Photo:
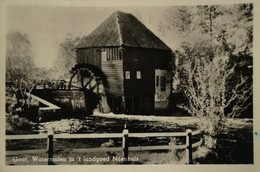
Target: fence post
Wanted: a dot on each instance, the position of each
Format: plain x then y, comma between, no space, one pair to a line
50,147
189,146
125,144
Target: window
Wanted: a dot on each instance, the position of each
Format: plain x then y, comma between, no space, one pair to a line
104,56
138,75
163,83
157,81
111,54
127,74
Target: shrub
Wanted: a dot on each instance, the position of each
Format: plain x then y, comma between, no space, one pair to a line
17,125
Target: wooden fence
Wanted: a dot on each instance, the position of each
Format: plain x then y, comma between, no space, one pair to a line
125,143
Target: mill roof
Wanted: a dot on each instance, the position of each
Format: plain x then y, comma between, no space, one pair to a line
122,29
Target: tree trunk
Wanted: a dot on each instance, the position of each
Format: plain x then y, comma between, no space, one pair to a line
209,141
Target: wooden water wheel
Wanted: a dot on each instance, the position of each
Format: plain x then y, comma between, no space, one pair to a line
85,74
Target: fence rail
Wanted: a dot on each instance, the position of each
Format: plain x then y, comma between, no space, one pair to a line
26,137
168,134
87,136
125,143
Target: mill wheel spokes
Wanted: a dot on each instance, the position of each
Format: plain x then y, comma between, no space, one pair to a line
86,73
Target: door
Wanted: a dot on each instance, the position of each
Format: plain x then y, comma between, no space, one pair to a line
162,89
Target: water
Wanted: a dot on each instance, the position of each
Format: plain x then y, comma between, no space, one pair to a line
99,124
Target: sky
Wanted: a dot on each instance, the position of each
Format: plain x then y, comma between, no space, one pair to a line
47,27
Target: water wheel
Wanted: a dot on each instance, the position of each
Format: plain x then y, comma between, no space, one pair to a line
86,73
88,78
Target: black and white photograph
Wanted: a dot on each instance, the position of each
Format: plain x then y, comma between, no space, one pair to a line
129,85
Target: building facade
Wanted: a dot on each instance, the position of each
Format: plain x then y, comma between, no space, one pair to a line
135,62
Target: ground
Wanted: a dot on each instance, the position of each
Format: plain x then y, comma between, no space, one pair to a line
235,145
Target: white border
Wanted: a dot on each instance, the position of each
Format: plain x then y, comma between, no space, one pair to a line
132,168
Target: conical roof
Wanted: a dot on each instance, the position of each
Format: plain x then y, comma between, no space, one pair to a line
122,29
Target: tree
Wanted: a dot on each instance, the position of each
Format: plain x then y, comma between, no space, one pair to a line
208,97
21,73
230,26
67,57
212,60
19,57
19,64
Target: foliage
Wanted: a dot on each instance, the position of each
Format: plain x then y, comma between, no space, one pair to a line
213,62
21,76
21,73
206,92
212,31
229,26
66,58
19,57
17,119
19,64
16,125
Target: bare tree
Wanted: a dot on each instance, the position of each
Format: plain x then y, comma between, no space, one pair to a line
206,91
